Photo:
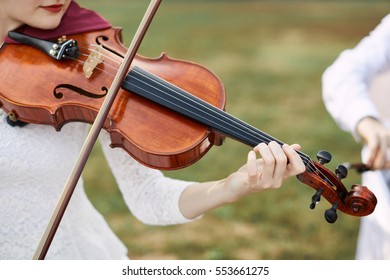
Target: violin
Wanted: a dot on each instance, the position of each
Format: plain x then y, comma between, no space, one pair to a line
167,114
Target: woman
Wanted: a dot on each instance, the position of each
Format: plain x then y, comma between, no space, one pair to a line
356,94
32,176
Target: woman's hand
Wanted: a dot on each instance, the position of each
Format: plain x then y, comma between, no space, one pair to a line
275,164
269,170
377,139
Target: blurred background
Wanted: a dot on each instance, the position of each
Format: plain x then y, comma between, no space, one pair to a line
270,56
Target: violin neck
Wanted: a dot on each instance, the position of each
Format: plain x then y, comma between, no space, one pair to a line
174,98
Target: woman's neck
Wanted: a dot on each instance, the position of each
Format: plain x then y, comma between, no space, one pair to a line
5,26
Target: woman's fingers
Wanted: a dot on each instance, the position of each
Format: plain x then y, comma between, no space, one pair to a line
296,165
279,162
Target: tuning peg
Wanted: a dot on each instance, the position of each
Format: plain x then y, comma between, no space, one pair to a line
316,198
341,171
331,214
324,157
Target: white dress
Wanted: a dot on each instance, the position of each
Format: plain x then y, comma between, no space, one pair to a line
355,86
35,162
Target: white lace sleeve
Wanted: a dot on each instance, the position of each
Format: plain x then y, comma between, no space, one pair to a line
150,196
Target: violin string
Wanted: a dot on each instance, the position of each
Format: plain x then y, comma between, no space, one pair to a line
111,67
88,46
105,57
114,69
200,105
197,106
87,51
266,138
309,163
82,62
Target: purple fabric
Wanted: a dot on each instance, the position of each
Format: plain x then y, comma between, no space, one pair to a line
75,20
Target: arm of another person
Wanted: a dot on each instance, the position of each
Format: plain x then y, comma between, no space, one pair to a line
346,86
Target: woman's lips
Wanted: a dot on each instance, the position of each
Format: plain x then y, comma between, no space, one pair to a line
53,8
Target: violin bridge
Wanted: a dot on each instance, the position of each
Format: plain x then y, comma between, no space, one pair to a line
94,58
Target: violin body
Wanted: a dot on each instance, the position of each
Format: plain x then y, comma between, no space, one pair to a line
54,93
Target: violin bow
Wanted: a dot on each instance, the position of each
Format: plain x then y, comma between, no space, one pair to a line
85,152
359,167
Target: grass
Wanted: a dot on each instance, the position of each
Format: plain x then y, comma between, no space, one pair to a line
270,56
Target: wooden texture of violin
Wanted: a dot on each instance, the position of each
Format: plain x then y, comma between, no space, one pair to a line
38,89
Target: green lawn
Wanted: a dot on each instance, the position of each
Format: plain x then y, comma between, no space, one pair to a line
270,56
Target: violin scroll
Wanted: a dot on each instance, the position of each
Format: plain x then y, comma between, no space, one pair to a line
360,201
